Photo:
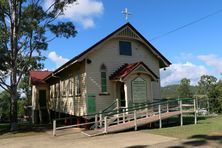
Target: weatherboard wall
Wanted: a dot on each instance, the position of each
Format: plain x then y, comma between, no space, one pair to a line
64,101
108,53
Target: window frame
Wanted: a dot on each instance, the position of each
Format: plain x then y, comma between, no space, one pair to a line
124,50
103,82
77,84
103,79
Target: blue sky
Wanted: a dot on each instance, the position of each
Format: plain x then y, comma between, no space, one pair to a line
194,50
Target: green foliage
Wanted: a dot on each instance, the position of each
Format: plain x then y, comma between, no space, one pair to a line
169,92
216,103
4,104
21,105
206,85
26,28
184,90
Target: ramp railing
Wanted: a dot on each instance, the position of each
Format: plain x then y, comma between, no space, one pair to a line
119,115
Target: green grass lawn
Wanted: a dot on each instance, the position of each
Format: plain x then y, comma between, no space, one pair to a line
208,126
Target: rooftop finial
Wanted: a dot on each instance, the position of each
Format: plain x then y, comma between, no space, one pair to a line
126,13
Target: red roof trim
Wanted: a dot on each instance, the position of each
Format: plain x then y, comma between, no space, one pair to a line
126,69
37,77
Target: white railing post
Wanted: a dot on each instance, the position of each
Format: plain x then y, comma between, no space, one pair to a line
195,111
54,128
181,113
124,116
105,124
117,105
160,120
96,121
100,120
167,106
135,120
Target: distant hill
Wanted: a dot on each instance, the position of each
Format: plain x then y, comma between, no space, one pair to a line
170,91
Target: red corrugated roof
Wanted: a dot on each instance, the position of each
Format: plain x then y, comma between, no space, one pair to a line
126,69
37,77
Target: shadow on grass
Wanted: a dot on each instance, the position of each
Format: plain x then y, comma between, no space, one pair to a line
197,142
207,137
200,140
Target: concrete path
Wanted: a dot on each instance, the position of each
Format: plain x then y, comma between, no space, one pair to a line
78,140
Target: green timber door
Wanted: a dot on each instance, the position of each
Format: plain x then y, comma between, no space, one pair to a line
91,103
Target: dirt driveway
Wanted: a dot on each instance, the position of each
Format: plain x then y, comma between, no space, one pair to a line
76,139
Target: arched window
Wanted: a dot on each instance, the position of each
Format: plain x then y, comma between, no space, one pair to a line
103,78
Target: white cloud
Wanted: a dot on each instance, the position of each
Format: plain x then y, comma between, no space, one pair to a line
212,60
176,72
58,60
82,12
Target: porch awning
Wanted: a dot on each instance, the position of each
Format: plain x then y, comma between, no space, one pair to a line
126,69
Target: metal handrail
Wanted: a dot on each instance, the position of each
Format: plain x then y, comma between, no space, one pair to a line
148,105
154,106
114,102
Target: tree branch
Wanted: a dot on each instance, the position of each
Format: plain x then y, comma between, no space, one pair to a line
2,82
5,88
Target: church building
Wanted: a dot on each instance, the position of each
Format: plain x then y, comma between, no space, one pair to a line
123,65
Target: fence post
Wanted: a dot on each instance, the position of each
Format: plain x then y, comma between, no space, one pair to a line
96,121
135,120
54,128
117,105
100,119
160,120
195,111
105,124
167,106
124,116
181,113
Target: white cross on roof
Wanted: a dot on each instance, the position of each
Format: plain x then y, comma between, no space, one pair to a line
126,13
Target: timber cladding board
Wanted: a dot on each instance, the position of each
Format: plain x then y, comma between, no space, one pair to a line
109,55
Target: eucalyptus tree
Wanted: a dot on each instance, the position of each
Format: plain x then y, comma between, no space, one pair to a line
206,85
26,28
184,88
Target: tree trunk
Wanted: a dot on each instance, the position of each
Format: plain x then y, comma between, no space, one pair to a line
13,113
13,77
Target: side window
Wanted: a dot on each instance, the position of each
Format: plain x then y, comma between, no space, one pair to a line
57,90
77,84
103,78
54,91
71,85
125,48
64,87
51,91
